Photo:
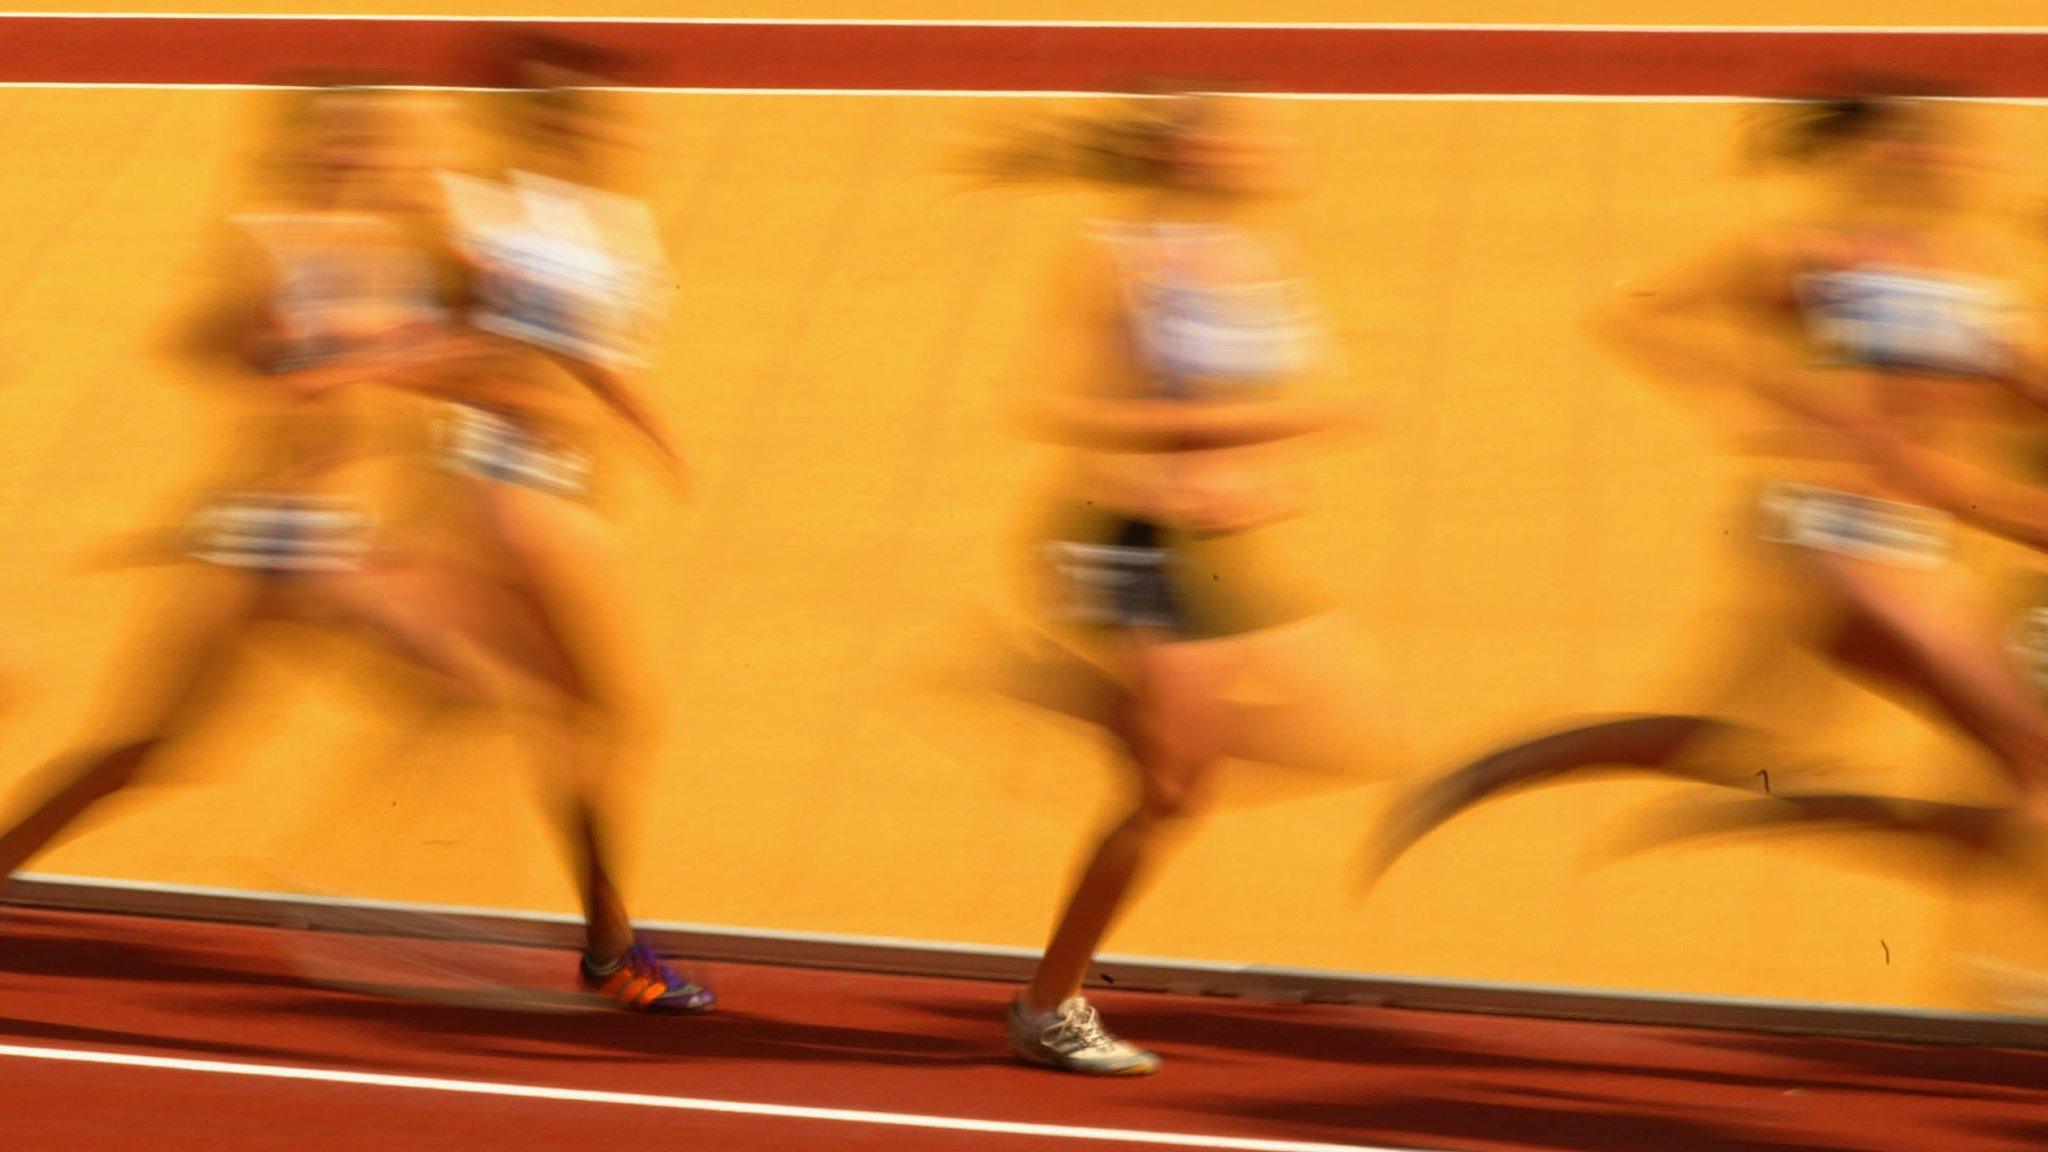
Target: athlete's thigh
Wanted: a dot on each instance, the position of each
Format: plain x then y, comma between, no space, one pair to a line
564,564
1179,723
1937,638
181,653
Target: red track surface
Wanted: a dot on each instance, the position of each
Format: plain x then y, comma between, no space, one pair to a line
256,49
1306,1072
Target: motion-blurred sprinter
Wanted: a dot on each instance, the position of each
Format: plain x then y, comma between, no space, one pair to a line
1177,382
1884,355
326,290
568,287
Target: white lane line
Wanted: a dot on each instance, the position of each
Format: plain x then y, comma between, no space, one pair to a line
994,93
1010,93
1228,25
976,93
683,1103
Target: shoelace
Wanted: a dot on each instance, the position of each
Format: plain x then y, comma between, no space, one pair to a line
641,978
642,961
1084,1024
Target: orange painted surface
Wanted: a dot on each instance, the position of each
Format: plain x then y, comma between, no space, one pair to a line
1538,535
1860,13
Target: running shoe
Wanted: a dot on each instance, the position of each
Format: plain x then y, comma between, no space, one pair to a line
639,982
1073,1040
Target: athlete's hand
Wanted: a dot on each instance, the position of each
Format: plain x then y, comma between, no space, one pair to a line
674,469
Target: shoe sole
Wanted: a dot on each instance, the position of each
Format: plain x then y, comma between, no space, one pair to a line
655,1009
1037,1059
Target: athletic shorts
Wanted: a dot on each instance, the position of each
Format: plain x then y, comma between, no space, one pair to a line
282,534
1103,569
475,442
1862,527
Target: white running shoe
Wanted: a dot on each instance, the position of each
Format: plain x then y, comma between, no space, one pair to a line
1073,1040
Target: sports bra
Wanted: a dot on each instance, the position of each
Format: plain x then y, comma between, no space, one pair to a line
552,269
338,278
1907,319
1196,335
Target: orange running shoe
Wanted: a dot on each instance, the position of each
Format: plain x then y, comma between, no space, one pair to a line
639,982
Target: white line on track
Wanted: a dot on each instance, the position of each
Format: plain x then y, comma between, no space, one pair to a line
681,1103
979,93
1014,93
1236,25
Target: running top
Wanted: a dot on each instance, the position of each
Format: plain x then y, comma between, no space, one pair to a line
563,267
1209,308
340,280
1908,319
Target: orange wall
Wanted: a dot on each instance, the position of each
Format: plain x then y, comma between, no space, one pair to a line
1540,534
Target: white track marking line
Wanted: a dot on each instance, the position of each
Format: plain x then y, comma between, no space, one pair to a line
1221,25
681,1103
974,93
1009,93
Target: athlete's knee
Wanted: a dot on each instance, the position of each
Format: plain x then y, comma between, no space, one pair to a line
1175,796
1144,822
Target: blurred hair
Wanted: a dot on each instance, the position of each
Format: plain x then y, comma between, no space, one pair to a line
528,59
1129,144
538,73
303,100
1812,128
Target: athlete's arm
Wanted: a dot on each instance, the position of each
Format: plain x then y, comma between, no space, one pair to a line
612,388
458,367
1178,425
218,331
1714,323
240,325
1973,495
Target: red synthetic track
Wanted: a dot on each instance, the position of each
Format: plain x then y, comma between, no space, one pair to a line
254,50
1304,1072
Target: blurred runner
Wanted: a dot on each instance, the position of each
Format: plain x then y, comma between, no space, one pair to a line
1179,381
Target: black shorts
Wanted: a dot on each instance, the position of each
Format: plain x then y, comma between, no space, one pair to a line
1108,570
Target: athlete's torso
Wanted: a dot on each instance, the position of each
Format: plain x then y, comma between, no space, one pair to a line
1211,310
567,278
561,267
1929,332
1933,328
336,284
1208,311
300,488
1916,322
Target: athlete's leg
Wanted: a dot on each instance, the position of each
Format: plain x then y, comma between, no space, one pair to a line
168,677
1655,743
572,630
1926,638
1173,730
1934,639
462,626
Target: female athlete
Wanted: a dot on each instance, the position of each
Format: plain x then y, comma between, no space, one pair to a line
1896,362
1178,382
